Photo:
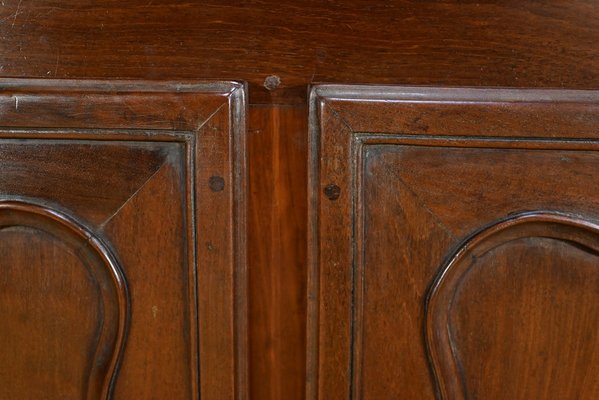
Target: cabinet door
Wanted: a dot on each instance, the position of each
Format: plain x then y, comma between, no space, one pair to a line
454,244
121,247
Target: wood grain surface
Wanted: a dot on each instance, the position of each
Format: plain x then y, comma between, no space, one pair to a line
279,48
465,43
130,167
65,327
514,304
277,152
391,203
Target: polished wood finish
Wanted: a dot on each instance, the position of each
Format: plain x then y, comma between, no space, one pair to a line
46,311
280,47
491,43
277,152
503,184
541,268
123,261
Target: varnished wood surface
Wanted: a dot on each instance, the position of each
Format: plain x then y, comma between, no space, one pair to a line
277,153
491,43
422,193
63,327
135,163
541,268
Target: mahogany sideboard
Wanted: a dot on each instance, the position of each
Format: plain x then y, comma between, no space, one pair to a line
275,199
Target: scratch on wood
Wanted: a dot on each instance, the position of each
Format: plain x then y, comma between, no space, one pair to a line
16,13
57,61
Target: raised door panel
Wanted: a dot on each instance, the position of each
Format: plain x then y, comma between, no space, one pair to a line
517,303
121,230
453,243
61,293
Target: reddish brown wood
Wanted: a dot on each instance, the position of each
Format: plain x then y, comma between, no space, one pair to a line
406,198
491,43
542,269
46,311
125,168
277,152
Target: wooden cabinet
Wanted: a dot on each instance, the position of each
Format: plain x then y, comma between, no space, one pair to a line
106,133
454,243
122,229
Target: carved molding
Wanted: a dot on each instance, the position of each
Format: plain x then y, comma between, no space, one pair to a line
105,270
541,224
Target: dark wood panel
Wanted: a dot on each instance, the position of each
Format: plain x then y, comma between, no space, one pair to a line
398,213
75,173
64,305
277,152
526,43
516,304
490,43
389,207
159,277
168,203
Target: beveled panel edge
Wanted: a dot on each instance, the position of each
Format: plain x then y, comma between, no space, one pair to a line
115,86
227,163
312,298
112,104
71,225
390,93
440,355
467,111
238,103
344,203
